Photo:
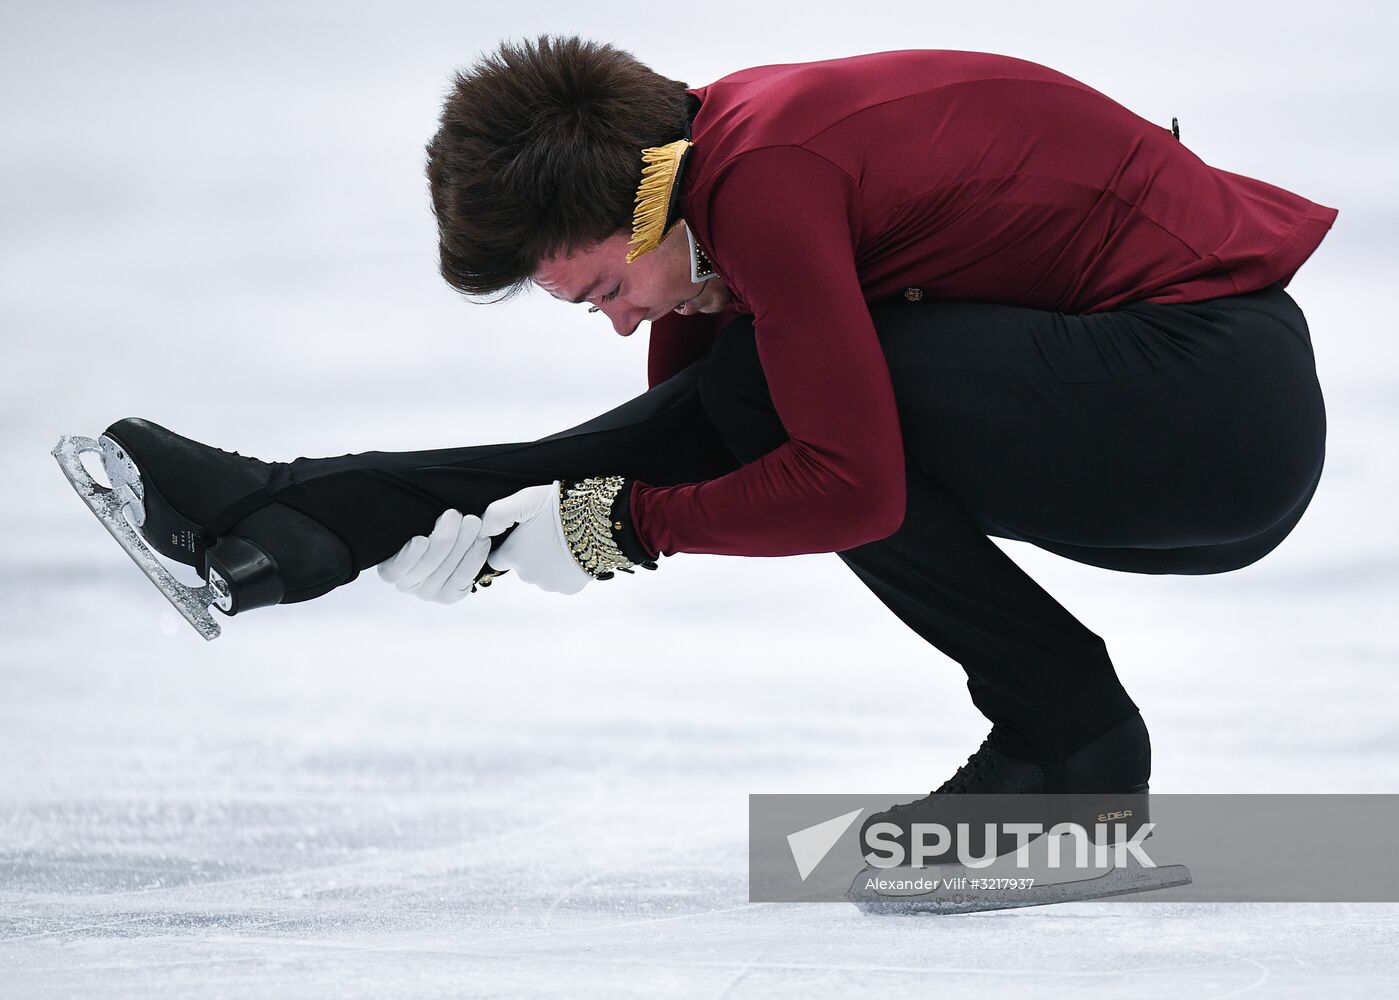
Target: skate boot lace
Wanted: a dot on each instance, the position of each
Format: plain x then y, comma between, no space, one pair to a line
978,765
238,455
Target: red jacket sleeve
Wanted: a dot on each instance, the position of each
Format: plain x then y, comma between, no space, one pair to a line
784,225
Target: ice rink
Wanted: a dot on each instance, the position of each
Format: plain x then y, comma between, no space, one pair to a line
214,216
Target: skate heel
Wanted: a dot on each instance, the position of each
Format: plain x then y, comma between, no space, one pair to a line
242,576
170,534
1113,818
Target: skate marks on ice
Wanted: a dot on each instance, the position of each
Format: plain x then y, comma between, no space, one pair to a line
350,842
111,507
430,868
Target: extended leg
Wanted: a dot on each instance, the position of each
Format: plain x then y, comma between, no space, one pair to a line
264,533
378,500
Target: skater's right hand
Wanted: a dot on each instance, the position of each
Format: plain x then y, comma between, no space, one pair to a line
442,566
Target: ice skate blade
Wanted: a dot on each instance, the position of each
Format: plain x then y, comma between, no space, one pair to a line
1117,882
107,504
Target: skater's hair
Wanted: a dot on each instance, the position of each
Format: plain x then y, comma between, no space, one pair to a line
538,154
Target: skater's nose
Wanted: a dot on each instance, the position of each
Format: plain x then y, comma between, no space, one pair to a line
625,317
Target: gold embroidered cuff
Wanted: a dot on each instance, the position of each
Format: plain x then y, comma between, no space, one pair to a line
585,511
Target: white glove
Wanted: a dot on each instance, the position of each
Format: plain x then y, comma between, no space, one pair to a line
440,567
537,550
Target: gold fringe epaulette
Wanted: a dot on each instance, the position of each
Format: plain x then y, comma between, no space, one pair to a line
655,196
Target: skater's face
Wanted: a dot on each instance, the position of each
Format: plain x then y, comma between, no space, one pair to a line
629,294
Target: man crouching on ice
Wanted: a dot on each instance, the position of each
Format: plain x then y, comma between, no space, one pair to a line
898,303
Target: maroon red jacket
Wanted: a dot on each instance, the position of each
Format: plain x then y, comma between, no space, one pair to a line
819,187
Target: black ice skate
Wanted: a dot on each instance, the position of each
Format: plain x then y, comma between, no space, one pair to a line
1101,790
208,509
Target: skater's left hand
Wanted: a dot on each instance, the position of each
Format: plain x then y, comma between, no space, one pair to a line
537,550
442,566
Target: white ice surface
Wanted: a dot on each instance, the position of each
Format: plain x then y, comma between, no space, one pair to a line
213,215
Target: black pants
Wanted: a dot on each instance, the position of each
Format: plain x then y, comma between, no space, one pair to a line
1180,439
